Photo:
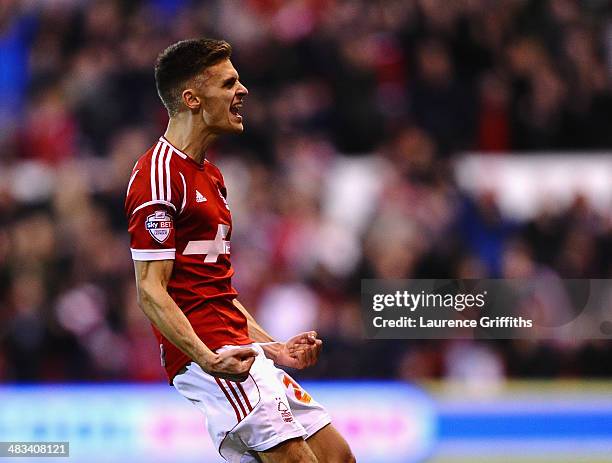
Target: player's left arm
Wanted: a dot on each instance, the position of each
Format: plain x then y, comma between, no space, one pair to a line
301,351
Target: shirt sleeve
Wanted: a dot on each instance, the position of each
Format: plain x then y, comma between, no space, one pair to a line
151,219
152,233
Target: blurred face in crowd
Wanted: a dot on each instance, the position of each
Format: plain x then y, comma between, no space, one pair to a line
218,95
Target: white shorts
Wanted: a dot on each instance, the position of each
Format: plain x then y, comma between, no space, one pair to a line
255,415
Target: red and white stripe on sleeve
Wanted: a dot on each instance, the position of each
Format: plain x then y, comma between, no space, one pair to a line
155,195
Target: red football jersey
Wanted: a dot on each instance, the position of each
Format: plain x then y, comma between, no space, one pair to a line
177,209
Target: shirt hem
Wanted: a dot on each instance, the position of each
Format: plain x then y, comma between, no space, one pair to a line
174,371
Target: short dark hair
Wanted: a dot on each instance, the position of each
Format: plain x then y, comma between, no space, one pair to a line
182,61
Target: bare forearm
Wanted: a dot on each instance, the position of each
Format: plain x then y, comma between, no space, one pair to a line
168,318
270,347
151,282
300,351
256,332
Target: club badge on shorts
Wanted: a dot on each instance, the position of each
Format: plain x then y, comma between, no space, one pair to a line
159,225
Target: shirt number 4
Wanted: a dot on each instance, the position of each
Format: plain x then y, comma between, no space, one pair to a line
211,248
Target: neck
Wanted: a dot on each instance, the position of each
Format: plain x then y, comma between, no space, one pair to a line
189,134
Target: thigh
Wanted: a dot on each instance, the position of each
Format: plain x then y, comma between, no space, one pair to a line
252,416
328,445
290,451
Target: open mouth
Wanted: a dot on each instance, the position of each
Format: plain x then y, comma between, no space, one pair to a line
235,110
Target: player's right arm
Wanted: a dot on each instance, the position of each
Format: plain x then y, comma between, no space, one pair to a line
154,197
151,281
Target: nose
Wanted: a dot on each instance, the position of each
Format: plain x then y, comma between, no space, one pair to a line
242,90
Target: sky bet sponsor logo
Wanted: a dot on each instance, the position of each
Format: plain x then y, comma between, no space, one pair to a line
159,225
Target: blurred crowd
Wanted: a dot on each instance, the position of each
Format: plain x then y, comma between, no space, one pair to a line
355,113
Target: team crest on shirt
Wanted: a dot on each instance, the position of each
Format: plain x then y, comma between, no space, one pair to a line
159,225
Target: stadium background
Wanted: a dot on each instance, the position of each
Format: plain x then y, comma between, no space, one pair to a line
360,120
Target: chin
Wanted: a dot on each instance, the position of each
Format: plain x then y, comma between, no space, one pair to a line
237,128
229,129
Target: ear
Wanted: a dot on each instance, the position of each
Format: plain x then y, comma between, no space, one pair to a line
190,99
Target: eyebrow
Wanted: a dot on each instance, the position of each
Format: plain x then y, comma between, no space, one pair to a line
230,80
